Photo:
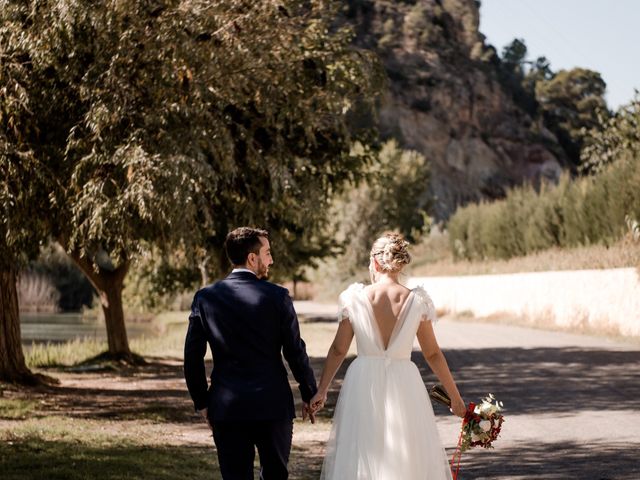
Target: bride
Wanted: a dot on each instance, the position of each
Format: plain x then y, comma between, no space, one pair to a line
384,427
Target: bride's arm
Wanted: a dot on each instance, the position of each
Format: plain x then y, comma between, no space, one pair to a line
337,352
438,364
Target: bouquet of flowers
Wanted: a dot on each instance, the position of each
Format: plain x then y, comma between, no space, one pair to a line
480,425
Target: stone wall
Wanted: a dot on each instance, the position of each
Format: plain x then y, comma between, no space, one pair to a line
606,301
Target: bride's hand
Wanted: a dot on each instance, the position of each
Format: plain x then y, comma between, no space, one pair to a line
459,408
318,401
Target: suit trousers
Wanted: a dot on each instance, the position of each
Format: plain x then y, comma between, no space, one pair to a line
236,443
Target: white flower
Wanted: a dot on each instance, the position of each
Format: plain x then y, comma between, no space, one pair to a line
475,438
485,425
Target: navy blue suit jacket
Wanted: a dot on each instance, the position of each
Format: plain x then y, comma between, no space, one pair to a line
249,325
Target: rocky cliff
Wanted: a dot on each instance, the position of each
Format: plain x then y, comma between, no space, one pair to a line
445,100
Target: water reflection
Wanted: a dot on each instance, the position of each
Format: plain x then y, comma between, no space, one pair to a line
62,327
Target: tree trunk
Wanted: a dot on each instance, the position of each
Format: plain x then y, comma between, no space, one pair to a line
204,276
13,368
109,284
111,300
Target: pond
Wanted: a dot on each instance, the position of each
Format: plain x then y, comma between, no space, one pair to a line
62,327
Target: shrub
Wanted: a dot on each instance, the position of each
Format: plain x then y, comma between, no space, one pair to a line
592,210
392,197
36,293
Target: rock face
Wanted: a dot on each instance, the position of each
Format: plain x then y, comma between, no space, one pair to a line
445,100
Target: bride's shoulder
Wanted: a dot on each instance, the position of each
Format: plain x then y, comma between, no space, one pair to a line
347,295
420,292
425,302
351,290
345,300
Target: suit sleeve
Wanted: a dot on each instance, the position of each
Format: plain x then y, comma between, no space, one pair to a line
295,353
195,349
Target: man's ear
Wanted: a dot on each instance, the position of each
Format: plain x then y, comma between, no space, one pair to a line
251,258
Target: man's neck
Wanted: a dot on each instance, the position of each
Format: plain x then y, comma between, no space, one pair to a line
243,268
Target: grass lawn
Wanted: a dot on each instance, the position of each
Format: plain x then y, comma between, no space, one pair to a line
108,421
68,449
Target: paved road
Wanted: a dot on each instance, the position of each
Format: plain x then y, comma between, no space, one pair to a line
571,401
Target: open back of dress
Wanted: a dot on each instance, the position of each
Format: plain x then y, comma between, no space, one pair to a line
384,427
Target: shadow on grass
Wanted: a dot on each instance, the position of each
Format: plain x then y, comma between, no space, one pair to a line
37,459
155,391
16,408
306,463
114,360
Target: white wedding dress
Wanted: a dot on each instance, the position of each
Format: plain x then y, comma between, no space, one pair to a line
383,426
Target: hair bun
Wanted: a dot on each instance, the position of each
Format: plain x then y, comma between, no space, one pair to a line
391,252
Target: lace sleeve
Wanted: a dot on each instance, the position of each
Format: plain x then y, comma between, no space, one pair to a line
345,299
425,303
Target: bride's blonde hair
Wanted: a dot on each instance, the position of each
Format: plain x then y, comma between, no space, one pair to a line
391,252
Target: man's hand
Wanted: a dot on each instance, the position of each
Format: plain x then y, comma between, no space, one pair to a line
318,401
306,411
203,414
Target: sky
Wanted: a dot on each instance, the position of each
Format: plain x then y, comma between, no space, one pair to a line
602,35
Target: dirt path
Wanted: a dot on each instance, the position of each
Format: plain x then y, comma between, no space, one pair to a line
571,403
152,397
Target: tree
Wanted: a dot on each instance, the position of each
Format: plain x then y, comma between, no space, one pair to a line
571,102
514,58
619,134
21,227
540,70
514,76
23,187
18,242
393,196
167,122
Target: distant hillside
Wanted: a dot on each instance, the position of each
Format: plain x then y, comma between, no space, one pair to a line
446,102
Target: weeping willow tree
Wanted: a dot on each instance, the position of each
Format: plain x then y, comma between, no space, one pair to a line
164,123
21,189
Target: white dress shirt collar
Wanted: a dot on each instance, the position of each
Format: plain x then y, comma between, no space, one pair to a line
243,270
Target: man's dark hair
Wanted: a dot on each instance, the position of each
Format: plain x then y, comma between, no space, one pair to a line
241,242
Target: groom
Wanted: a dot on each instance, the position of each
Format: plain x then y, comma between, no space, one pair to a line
247,322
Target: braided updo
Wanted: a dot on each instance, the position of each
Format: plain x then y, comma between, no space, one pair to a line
390,251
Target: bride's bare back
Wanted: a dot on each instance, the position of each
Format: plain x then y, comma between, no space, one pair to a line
387,301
